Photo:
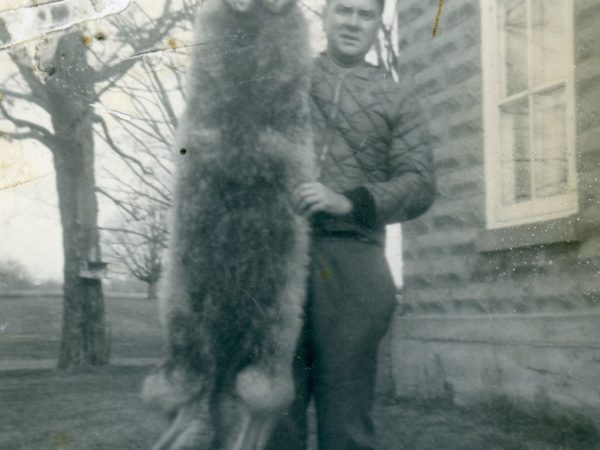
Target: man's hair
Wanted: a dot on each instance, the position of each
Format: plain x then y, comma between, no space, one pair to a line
381,4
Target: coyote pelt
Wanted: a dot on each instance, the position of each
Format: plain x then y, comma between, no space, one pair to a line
233,289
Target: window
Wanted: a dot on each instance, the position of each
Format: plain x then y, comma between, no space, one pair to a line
527,54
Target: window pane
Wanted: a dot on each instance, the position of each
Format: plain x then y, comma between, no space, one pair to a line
513,41
549,40
550,151
516,153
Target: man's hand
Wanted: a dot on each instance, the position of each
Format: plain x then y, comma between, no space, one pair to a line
314,197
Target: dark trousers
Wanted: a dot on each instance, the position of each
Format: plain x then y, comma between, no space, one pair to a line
351,297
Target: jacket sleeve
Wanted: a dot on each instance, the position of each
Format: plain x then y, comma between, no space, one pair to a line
410,186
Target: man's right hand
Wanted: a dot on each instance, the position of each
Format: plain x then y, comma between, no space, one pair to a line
314,197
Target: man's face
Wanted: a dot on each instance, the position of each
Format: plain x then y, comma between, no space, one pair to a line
351,27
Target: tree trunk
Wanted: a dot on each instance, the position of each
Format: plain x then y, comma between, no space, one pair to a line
84,338
152,290
71,92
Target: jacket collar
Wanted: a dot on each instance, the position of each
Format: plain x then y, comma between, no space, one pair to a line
365,70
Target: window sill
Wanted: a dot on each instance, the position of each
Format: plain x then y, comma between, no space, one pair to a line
566,229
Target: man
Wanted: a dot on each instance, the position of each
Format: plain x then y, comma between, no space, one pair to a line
376,169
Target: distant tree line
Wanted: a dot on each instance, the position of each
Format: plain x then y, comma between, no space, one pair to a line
14,276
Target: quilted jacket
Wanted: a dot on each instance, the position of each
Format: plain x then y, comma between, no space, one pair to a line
373,145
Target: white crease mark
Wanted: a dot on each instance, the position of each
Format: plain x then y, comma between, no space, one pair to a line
253,80
115,113
13,5
18,26
159,51
121,115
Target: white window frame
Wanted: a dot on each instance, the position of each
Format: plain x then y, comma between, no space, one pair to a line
535,210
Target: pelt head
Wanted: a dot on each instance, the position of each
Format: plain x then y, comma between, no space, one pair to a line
274,6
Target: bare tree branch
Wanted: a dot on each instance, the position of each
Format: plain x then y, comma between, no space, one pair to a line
20,58
119,203
164,201
41,133
154,31
21,96
163,97
108,139
124,231
18,136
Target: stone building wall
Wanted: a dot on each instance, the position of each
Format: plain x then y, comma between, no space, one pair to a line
511,313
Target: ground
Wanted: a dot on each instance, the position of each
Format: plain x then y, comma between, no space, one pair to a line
99,409
31,324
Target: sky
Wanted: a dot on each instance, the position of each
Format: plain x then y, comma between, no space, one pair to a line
29,219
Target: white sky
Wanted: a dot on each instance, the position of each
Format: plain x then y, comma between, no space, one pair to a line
29,222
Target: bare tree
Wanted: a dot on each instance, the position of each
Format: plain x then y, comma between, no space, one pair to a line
141,188
134,248
142,140
69,84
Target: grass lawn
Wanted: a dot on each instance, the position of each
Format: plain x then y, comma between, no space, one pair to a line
94,409
434,426
30,327
100,409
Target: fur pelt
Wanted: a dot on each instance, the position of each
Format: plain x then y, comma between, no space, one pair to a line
233,289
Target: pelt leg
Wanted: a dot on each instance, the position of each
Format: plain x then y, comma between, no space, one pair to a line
263,394
265,428
167,438
188,431
255,431
245,437
267,388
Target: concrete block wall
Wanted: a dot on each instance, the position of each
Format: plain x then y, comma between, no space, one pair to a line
446,74
587,78
522,322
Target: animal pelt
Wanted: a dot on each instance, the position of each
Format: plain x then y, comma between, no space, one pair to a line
232,294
